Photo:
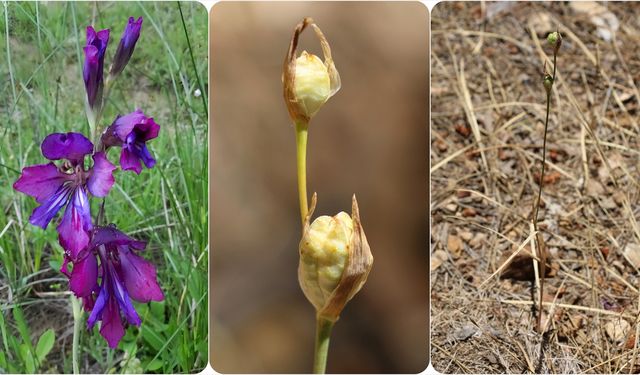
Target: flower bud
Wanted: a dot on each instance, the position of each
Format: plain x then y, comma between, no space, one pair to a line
93,66
547,81
335,260
308,81
554,39
126,46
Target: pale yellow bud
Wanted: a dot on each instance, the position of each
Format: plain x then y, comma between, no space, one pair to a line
312,85
335,260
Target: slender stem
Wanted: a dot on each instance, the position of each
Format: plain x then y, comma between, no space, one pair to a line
323,333
203,94
540,247
301,156
77,322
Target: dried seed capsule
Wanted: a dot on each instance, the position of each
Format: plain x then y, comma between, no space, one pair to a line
335,260
308,82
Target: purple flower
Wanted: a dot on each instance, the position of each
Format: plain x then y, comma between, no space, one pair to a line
55,187
131,132
124,276
94,64
127,44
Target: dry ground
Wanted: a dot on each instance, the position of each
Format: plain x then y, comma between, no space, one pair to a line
488,108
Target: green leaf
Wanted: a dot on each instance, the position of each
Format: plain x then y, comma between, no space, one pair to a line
22,327
55,264
154,365
153,338
45,344
27,359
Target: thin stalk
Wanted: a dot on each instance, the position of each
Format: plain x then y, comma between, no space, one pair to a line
540,247
77,322
193,62
301,158
323,333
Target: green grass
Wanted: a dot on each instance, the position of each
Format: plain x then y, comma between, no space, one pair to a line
41,91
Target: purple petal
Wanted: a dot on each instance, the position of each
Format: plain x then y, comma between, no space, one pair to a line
147,130
146,157
99,40
129,161
102,41
120,293
91,35
40,181
42,215
98,307
92,75
84,276
127,44
88,302
101,178
123,125
111,328
70,146
64,268
111,236
76,224
139,278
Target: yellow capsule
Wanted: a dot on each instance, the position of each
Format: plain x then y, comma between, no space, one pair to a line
312,84
323,254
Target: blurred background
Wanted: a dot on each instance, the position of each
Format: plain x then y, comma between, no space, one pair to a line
369,139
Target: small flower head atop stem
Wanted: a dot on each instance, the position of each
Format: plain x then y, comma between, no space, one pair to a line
555,39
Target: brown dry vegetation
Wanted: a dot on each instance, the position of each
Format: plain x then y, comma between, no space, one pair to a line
488,108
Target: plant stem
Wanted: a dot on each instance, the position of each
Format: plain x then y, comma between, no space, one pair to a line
301,157
323,333
542,253
77,321
203,93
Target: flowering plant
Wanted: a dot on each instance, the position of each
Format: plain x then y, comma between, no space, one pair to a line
104,265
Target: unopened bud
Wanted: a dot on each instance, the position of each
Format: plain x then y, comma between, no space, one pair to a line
547,81
308,81
555,39
335,260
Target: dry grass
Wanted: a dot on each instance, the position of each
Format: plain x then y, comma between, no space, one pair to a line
486,149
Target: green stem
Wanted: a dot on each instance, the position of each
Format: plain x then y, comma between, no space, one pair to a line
193,62
301,156
323,333
77,322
